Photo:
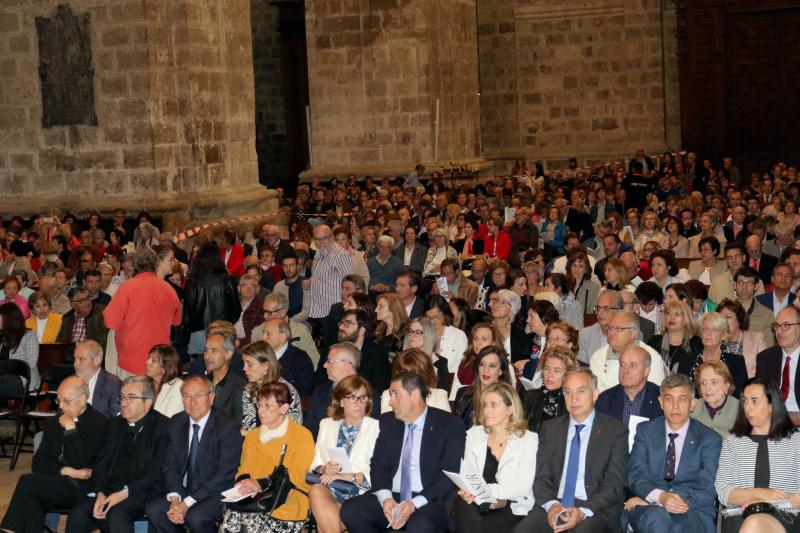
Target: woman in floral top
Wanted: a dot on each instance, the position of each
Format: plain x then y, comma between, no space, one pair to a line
261,366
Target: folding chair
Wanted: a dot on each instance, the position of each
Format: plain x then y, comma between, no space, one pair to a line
17,404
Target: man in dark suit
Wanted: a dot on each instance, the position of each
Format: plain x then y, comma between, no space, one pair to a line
736,230
586,445
634,395
270,234
763,263
103,386
478,271
779,363
201,461
329,325
89,318
672,467
126,476
296,366
63,463
780,296
416,442
612,246
407,288
228,385
357,327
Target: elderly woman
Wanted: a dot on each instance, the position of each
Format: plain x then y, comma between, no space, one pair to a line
673,240
547,401
709,264
348,426
540,314
451,341
583,288
491,366
504,452
261,367
421,335
12,289
17,342
261,453
438,251
419,363
759,461
504,305
553,230
713,331
741,341
162,367
678,339
709,227
483,334
664,267
43,321
571,310
717,408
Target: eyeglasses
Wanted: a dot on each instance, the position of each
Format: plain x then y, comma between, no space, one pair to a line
267,405
559,340
605,308
270,313
194,396
340,361
360,399
130,397
248,285
67,401
323,238
783,326
741,281
343,323
434,318
416,332
619,328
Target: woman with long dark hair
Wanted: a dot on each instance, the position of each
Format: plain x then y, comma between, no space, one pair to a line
17,342
490,366
759,461
210,295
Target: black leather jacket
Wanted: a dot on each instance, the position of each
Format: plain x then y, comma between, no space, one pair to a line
212,297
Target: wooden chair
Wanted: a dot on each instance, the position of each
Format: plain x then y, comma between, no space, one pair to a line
684,262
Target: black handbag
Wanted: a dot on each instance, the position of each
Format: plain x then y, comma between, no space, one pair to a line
273,495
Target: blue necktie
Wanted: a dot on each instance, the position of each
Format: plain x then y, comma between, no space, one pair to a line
573,464
405,465
669,463
191,467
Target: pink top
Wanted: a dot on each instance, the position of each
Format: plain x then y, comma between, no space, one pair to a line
21,302
141,313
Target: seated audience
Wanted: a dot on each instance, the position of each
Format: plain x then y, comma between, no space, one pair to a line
261,366
592,338
417,362
505,305
740,340
296,366
16,342
356,327
43,321
503,452
491,366
276,306
547,402
759,461
672,463
678,338
577,486
483,334
421,334
384,267
84,321
277,440
291,286
541,313
709,265
717,407
451,342
252,314
634,395
103,386
458,285
407,474
570,310
776,363
350,427
63,463
126,475
228,385
203,451
162,368
12,293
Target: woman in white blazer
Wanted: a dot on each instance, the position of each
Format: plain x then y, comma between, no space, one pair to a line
162,368
452,341
418,362
350,428
503,451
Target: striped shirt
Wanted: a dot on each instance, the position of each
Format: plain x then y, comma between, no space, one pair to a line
329,267
737,465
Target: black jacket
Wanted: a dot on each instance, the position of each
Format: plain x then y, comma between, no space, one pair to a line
209,298
151,448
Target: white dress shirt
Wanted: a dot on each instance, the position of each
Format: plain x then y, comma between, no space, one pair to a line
791,400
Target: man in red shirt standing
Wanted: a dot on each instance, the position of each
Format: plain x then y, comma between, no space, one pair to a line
143,309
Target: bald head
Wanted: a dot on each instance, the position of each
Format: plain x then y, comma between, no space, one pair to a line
753,246
323,236
631,263
72,396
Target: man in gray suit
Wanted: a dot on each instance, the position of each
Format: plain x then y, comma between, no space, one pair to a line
592,338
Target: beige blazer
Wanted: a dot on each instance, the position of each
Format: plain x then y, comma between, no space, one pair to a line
696,268
694,244
722,287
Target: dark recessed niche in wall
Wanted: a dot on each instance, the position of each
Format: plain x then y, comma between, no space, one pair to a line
65,68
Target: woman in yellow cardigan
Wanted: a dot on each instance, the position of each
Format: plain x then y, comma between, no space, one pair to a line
260,455
43,321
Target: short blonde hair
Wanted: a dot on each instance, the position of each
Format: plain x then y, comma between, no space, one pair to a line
716,321
720,369
516,421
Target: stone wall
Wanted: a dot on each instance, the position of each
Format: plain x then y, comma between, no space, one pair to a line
270,114
173,87
590,79
376,70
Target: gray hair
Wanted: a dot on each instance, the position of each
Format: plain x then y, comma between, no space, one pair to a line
582,370
93,347
647,360
145,260
148,387
281,324
630,317
618,301
203,380
513,300
675,380
386,239
278,298
228,339
349,349
356,280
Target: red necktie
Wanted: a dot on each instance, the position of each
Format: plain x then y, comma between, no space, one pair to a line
785,379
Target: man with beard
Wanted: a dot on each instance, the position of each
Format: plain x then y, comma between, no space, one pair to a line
356,327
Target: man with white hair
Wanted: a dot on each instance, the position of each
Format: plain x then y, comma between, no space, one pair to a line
103,386
270,234
623,332
384,267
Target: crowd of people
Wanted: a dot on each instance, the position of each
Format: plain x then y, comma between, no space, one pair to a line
592,351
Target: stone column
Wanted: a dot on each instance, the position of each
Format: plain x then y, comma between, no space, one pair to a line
376,70
174,99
